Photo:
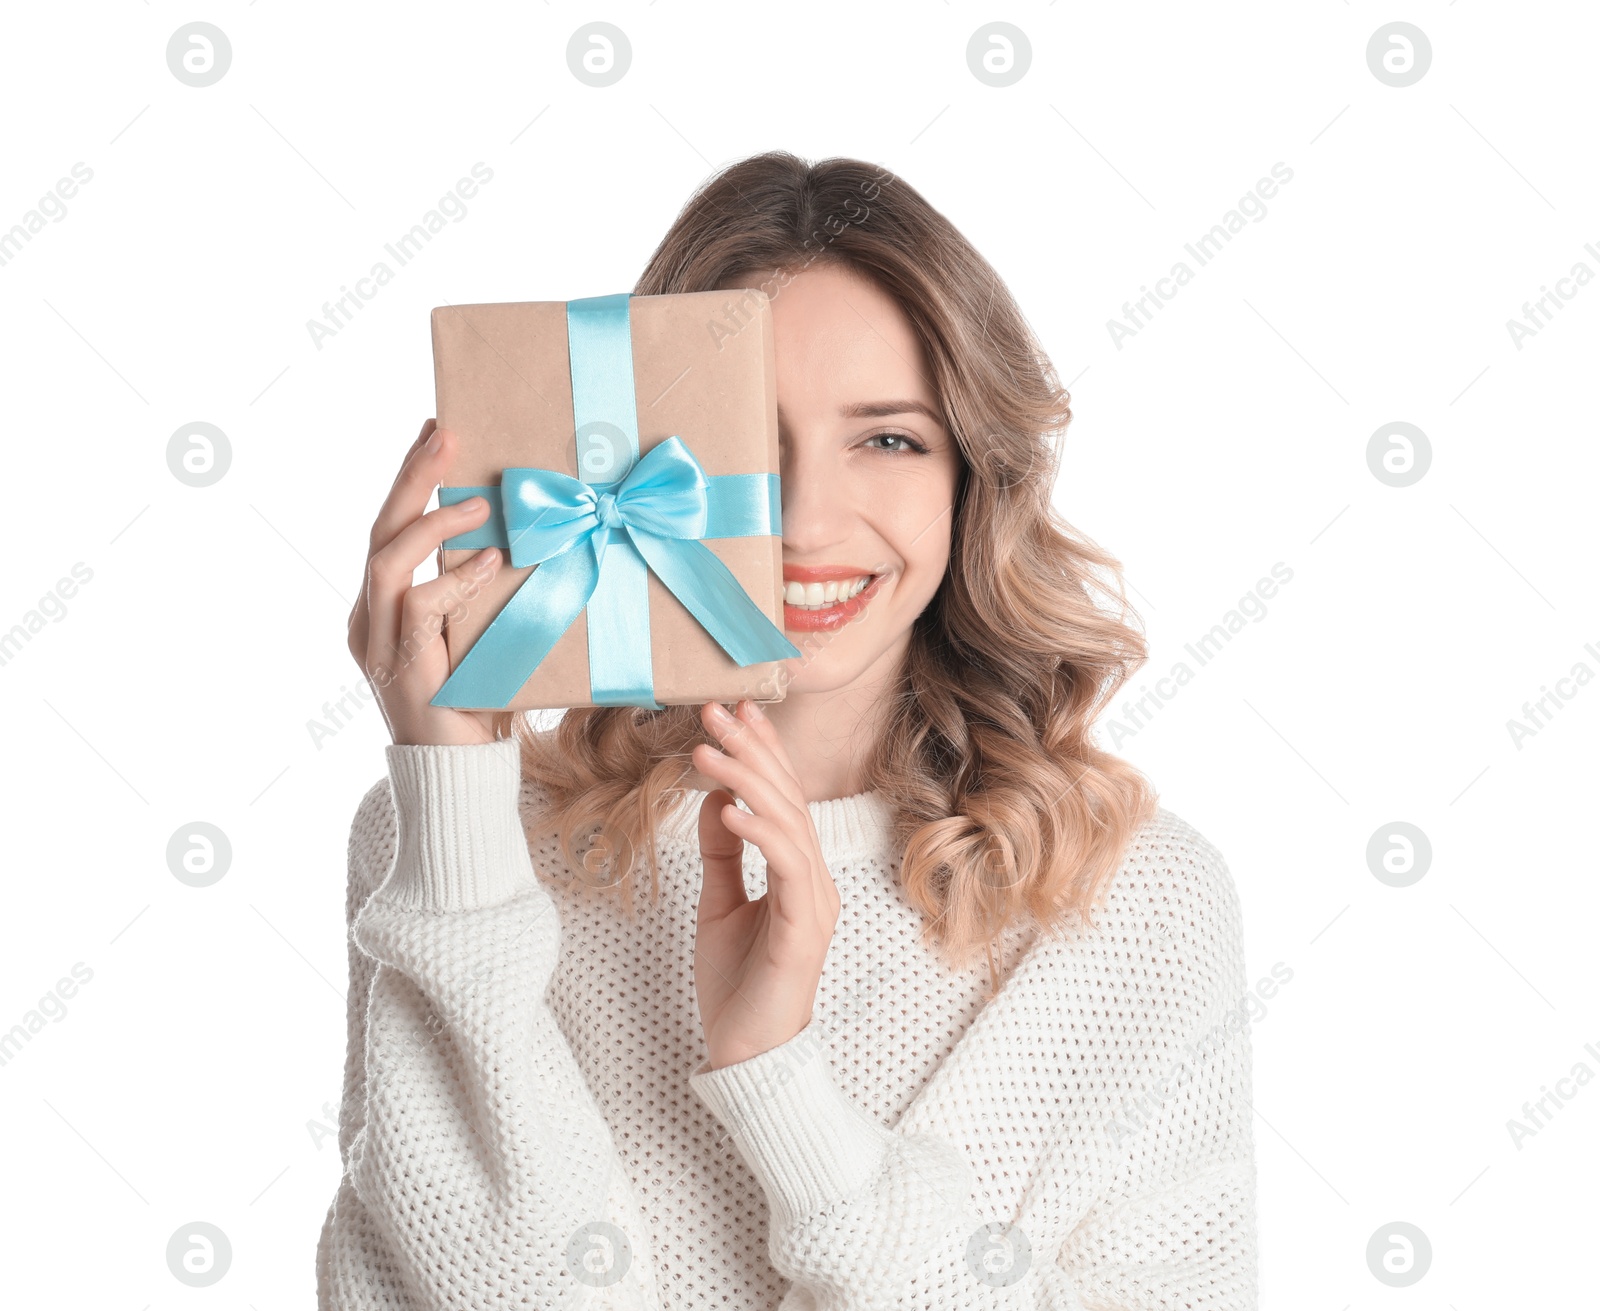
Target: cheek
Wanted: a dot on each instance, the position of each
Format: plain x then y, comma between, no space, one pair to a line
924,518
930,556
923,545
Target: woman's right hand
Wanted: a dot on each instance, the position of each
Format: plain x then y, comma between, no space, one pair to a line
396,629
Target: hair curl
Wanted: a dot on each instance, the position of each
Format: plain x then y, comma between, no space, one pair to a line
1003,806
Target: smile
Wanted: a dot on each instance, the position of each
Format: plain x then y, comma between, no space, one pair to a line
817,596
813,604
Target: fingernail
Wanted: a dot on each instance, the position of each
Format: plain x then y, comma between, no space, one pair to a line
719,714
432,446
756,710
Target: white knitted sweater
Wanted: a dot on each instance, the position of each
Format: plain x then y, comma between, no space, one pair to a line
528,1122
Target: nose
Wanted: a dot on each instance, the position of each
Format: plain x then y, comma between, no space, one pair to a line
819,504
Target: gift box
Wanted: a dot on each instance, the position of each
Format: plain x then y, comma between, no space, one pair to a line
628,448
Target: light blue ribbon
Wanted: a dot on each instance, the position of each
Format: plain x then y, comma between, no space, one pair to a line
594,540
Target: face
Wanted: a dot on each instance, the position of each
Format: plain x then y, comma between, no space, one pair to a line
869,480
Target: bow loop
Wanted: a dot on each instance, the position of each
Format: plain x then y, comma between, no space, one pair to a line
546,512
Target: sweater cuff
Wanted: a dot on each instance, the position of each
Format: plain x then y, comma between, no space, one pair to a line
807,1144
460,843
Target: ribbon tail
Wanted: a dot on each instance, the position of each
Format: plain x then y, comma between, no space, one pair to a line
535,617
717,599
620,672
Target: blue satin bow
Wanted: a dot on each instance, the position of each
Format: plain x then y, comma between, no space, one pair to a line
594,541
663,495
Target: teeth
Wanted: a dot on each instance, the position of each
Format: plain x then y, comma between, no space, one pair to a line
817,596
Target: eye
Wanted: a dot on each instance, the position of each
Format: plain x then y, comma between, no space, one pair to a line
910,446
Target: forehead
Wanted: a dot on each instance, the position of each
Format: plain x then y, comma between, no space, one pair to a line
841,340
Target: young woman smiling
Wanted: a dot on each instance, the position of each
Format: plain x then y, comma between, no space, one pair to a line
784,1077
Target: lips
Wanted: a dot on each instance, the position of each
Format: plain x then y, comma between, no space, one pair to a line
827,617
822,573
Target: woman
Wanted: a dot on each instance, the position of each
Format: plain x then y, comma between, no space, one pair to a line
854,1112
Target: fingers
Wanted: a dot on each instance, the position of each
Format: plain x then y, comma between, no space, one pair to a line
419,474
791,882
356,625
390,569
426,603
753,740
745,781
416,659
752,714
359,621
420,652
722,852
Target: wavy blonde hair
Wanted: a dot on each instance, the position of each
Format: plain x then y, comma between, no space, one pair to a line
1003,806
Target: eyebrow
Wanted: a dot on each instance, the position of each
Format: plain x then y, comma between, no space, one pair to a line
884,409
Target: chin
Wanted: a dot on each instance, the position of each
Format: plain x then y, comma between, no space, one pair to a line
819,672
832,663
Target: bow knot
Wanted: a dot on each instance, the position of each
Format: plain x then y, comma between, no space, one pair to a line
664,494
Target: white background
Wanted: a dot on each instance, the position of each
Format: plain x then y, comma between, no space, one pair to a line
187,1079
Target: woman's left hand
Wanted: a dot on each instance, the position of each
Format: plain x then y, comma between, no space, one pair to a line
757,963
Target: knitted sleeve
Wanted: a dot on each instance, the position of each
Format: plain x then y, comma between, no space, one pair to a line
348,1245
864,1217
1172,1221
479,1171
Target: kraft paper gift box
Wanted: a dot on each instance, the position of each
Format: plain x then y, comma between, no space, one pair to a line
628,448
